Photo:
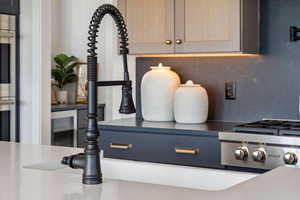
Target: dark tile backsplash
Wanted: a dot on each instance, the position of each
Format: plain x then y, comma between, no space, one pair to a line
268,86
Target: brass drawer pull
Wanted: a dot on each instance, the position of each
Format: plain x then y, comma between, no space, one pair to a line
168,42
120,146
178,41
187,151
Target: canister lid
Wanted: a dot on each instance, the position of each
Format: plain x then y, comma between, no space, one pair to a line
190,83
160,66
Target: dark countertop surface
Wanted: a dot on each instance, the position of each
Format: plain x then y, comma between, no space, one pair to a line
210,128
64,107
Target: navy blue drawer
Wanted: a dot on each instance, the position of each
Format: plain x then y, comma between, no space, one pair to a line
171,149
81,135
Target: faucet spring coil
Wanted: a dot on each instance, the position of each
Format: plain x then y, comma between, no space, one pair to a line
94,25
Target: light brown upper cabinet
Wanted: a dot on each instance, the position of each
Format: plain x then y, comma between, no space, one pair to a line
150,25
192,26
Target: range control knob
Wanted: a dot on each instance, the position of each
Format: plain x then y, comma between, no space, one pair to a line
259,155
290,158
241,153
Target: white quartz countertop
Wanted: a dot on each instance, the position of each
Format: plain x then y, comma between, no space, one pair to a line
129,180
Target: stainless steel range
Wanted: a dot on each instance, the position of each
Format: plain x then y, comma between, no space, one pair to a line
265,144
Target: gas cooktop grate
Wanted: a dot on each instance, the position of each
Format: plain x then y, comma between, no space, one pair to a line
271,127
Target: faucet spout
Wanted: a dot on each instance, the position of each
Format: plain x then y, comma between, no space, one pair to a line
90,160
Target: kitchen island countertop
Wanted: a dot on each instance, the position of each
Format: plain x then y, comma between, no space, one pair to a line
18,182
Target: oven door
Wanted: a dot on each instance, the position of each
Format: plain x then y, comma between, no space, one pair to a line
7,119
7,78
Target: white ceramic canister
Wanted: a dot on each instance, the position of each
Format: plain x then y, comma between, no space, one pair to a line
157,93
191,104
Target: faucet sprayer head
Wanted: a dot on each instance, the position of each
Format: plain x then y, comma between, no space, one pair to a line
127,105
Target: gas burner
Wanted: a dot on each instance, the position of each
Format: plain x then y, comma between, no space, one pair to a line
275,127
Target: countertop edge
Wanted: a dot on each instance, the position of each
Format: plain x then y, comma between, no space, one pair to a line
153,130
210,129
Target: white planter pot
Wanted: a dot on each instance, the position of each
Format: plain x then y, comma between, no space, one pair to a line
157,93
62,96
191,104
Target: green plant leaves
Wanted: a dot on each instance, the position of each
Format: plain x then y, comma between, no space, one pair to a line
70,68
58,60
70,78
64,71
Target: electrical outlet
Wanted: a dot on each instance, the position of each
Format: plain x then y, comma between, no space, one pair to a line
230,90
299,105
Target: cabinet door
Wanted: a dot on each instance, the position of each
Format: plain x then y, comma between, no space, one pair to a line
150,25
207,26
81,138
9,7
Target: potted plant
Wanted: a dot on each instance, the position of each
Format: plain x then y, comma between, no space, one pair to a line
64,73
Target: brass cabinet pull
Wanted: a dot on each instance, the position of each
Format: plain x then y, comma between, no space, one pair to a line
178,41
187,151
120,146
168,42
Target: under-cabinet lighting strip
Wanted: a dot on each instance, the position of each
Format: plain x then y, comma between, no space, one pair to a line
194,55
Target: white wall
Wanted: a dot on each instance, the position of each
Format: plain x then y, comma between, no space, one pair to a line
49,27
26,71
35,59
70,22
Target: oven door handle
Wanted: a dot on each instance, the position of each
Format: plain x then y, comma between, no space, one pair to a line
6,34
7,102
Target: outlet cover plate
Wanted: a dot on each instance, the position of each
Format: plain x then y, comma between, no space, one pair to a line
230,90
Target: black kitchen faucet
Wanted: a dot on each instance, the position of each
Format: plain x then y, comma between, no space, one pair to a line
89,161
